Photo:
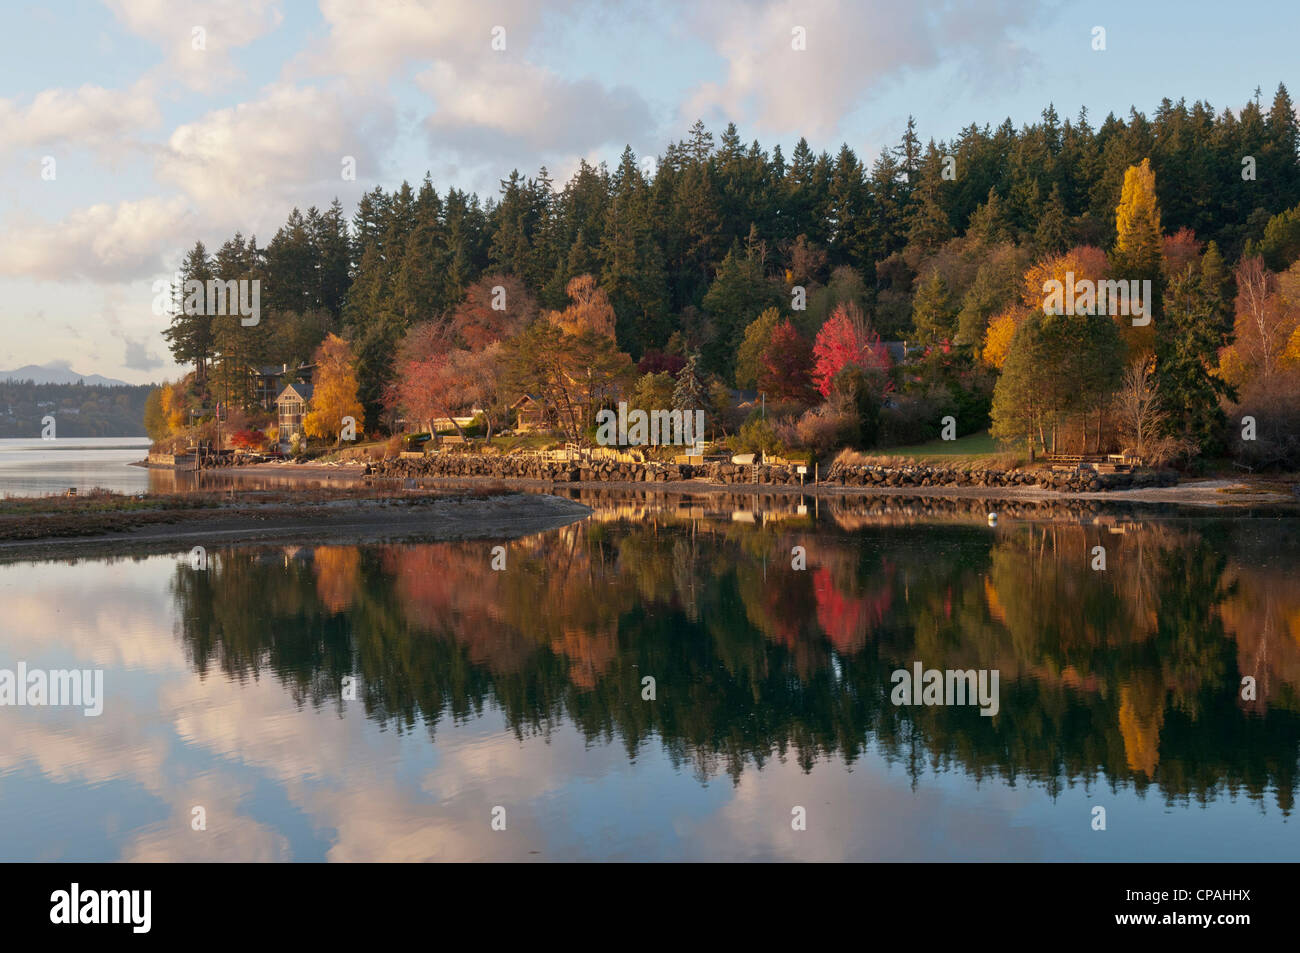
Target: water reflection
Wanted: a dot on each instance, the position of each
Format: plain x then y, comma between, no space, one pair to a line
524,687
1132,673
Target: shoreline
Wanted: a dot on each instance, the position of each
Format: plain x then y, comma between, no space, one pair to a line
353,507
1218,493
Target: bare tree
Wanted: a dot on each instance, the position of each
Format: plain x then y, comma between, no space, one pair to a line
1258,329
1141,416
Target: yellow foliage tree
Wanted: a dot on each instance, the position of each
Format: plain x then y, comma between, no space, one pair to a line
173,406
1291,355
1082,262
1231,367
997,343
1085,261
589,309
334,393
1139,245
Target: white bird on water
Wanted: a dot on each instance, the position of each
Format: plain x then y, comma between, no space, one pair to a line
993,519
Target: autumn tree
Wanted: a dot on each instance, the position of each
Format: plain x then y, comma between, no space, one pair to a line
483,373
571,359
334,390
1265,322
495,308
425,385
844,339
155,418
1082,262
1139,243
589,310
787,366
749,357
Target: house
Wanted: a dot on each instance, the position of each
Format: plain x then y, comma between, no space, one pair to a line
291,409
443,424
268,381
897,350
531,414
744,399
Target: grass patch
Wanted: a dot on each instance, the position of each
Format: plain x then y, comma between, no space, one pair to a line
975,450
524,441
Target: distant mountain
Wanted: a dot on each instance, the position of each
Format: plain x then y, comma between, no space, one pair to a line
57,374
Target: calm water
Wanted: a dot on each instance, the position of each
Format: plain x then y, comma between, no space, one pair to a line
41,467
522,689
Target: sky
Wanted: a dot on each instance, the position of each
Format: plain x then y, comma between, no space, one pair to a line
129,129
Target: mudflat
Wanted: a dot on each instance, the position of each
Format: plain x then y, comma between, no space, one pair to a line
57,527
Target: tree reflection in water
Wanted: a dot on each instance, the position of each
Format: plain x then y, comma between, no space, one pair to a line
1130,675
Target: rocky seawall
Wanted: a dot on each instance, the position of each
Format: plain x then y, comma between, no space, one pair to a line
459,466
1072,480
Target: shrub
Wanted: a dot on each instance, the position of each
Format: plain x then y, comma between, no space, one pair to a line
758,435
910,418
1277,427
247,439
828,427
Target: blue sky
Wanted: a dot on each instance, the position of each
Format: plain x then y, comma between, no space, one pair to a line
157,143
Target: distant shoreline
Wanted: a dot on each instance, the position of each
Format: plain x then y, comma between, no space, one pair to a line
340,519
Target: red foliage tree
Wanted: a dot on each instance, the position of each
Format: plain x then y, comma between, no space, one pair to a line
787,362
431,380
247,439
655,362
845,339
1181,249
495,308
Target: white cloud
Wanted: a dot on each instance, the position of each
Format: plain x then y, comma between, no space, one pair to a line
496,104
852,49
200,61
372,42
487,103
90,116
104,242
262,153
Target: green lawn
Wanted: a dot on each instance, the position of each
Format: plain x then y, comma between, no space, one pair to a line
976,449
529,441
971,445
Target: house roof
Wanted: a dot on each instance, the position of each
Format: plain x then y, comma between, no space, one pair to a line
298,390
